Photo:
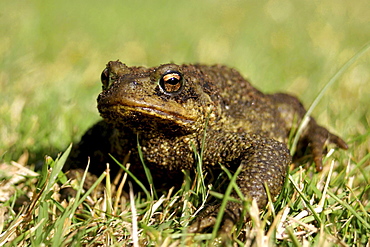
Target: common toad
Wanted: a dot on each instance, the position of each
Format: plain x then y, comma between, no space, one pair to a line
169,108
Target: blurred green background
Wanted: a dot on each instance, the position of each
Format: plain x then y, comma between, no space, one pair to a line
52,54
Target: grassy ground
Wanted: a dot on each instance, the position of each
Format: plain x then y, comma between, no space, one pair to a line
52,55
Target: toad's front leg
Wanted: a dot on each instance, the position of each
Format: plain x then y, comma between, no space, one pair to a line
264,163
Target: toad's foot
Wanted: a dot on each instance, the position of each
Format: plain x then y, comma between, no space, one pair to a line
318,138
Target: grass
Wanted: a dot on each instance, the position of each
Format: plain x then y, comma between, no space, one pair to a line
51,58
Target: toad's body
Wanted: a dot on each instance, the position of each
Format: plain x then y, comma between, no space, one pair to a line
169,108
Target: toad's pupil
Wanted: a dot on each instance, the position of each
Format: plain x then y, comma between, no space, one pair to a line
172,78
173,81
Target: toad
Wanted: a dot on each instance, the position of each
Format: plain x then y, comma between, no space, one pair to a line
174,110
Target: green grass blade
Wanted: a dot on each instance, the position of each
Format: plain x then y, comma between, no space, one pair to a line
148,174
344,204
224,202
134,178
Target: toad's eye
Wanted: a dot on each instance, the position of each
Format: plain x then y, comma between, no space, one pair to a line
171,82
105,78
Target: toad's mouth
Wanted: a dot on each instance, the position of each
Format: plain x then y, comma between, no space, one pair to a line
154,111
136,110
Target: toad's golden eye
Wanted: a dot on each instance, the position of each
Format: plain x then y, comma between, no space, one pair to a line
171,82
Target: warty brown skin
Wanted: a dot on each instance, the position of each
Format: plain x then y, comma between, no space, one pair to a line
168,108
